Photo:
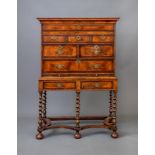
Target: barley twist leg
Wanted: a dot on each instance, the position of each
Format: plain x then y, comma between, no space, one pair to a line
40,120
77,118
114,109
44,104
110,103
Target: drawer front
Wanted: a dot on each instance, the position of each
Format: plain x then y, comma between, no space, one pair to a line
53,39
102,38
77,32
97,85
59,51
78,27
59,85
78,38
59,66
96,66
96,51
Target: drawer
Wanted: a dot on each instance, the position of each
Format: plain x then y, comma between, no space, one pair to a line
96,51
49,66
97,85
53,39
59,51
78,38
77,32
96,66
102,38
46,27
59,85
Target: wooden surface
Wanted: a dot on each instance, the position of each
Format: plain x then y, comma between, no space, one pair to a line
77,54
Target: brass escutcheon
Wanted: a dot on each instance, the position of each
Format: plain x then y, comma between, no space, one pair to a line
78,38
59,66
60,51
102,37
59,85
95,66
96,49
54,38
97,84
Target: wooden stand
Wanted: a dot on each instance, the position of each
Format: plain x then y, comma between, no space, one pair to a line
109,122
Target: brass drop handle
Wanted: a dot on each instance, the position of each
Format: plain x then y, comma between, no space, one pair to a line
60,51
95,66
102,37
54,38
59,85
78,38
97,85
96,49
59,66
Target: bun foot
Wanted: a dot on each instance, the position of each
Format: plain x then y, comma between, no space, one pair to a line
39,136
77,135
114,134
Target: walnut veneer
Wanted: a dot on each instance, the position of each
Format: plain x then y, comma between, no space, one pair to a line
77,54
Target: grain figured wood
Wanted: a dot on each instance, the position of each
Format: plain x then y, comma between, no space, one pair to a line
96,51
84,83
50,26
59,85
73,33
59,51
78,54
102,39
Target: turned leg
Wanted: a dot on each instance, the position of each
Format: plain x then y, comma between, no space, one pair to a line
110,103
46,121
77,121
44,104
40,121
113,114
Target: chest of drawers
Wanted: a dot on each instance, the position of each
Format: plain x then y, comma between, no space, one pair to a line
77,54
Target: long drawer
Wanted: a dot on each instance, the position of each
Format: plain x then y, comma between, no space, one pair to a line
87,32
47,27
49,66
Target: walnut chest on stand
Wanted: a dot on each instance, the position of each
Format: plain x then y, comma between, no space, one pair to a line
77,54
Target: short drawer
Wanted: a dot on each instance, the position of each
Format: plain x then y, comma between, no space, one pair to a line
46,27
102,38
59,85
96,66
49,66
97,85
96,51
53,39
78,38
59,51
